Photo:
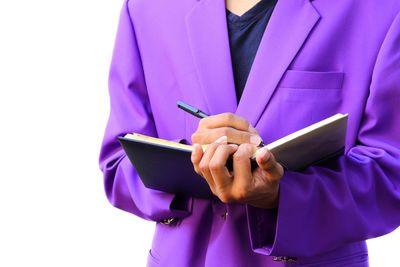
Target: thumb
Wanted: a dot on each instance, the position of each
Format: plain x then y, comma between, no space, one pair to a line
266,161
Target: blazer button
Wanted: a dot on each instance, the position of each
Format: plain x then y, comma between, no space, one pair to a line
225,214
168,221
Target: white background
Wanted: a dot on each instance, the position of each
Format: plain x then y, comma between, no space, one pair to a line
54,59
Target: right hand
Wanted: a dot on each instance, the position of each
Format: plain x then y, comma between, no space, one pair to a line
235,128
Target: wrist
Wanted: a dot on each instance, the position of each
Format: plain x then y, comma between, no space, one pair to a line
270,200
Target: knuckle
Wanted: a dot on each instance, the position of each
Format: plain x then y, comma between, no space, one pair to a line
246,124
236,156
228,117
241,194
195,137
247,147
203,167
212,147
224,197
239,156
202,123
215,165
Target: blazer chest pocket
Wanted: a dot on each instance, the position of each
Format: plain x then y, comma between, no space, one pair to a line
312,95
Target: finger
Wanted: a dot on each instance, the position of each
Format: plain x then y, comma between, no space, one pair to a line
233,135
252,129
220,174
242,169
266,161
197,154
205,160
225,120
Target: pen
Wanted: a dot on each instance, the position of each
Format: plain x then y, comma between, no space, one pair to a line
192,110
199,114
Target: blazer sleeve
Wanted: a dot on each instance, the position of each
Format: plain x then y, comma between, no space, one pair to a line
352,198
130,112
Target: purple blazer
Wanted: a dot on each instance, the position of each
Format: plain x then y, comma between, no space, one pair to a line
316,58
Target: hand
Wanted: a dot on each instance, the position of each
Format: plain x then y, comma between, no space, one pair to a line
259,188
236,129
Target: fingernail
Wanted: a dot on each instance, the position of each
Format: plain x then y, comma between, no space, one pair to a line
252,129
255,140
263,153
196,146
233,145
222,140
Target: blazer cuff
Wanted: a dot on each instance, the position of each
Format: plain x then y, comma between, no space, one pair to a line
157,205
267,227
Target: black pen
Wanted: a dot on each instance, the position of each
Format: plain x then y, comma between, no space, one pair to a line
199,114
192,110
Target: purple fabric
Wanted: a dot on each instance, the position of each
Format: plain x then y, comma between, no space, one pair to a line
315,59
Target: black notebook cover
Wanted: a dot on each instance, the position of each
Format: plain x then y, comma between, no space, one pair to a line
165,169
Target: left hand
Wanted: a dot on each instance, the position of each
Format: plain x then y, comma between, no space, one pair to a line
259,188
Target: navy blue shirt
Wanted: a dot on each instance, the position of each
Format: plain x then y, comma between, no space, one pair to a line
245,33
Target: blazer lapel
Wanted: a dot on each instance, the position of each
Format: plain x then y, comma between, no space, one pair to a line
288,28
209,43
